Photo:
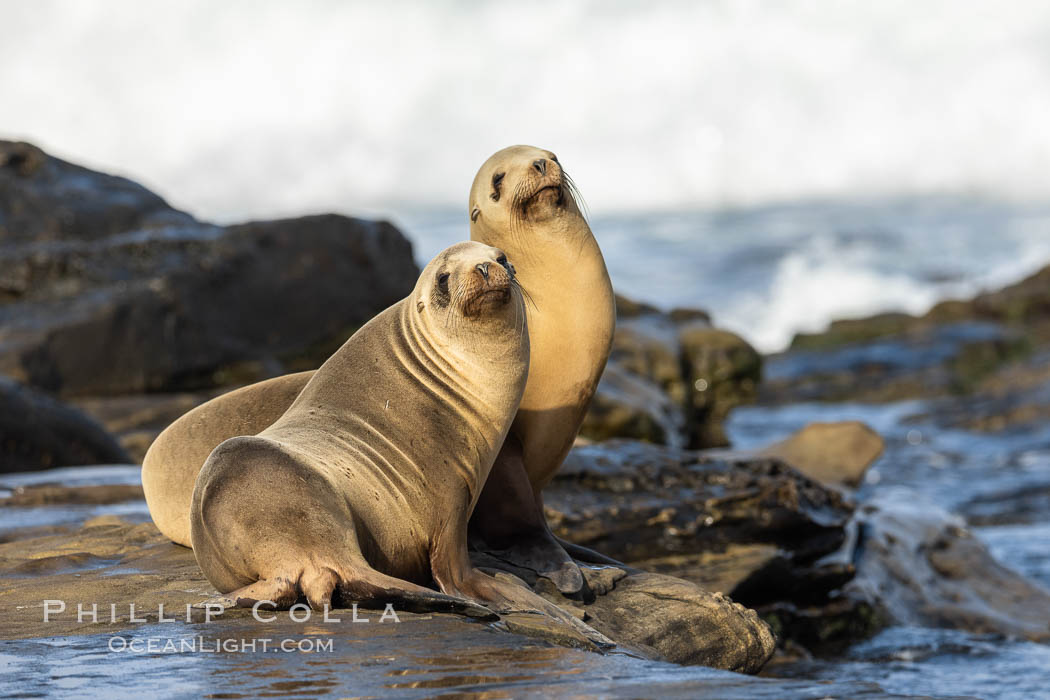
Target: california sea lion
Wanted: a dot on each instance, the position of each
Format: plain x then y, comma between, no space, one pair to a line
364,486
524,203
522,198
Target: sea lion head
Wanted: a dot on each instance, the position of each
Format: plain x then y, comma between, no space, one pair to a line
520,188
471,283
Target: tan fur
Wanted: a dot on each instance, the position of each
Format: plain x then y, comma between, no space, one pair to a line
173,461
572,315
364,487
571,322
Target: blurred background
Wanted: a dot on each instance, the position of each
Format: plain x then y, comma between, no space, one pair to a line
779,164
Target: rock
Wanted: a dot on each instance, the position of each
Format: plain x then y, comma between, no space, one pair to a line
38,432
722,372
920,566
115,563
137,420
56,494
656,616
928,360
152,300
703,371
633,501
958,347
43,198
679,622
627,405
120,563
836,454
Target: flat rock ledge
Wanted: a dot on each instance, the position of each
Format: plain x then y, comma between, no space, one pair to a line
111,562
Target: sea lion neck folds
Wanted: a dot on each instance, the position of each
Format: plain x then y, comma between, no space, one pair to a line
363,488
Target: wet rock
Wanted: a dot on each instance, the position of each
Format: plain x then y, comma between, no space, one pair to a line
38,432
1026,504
654,615
926,361
633,501
56,494
629,406
112,562
959,347
151,302
722,371
701,372
837,454
920,566
678,621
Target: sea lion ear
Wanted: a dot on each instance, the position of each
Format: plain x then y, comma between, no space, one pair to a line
474,214
419,307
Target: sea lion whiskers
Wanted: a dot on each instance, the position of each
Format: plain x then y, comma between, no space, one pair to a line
573,192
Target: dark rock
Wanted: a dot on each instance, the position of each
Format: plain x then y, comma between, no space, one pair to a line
151,300
38,432
117,564
704,371
920,566
957,348
629,406
137,420
926,361
634,501
43,198
722,371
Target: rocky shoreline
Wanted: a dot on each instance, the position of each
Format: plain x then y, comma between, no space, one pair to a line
119,313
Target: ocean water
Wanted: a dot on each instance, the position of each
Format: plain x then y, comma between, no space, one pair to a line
768,272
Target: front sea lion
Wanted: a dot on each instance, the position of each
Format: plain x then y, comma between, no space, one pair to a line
364,486
524,203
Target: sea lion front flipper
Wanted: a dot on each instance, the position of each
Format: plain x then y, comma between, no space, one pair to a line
508,524
508,596
452,571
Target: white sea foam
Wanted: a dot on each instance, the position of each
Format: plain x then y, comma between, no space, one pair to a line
248,109
806,293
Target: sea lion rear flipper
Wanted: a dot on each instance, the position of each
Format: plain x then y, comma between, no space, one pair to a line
368,586
359,584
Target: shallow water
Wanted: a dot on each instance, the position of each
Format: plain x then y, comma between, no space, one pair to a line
369,660
945,468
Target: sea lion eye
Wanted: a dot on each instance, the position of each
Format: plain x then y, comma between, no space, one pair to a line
443,282
497,180
502,260
554,158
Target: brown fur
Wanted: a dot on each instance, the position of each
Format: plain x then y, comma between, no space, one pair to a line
524,203
364,486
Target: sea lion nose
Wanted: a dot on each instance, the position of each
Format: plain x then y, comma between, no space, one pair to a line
483,268
540,165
